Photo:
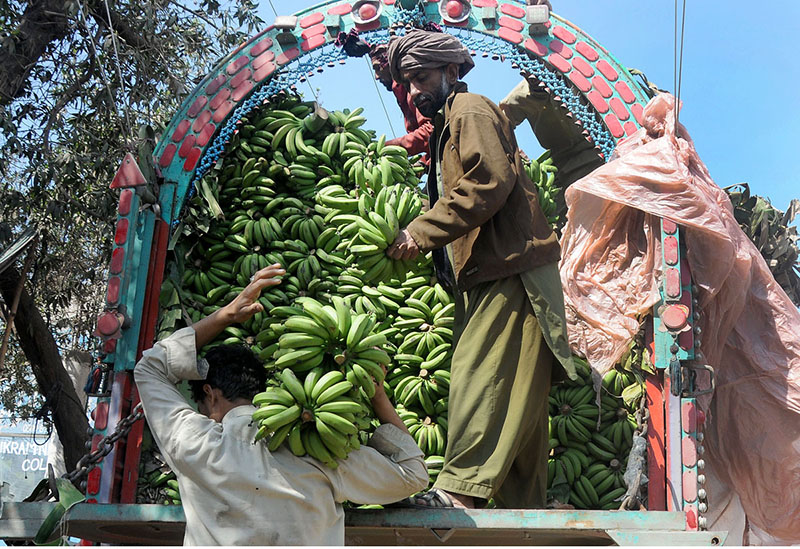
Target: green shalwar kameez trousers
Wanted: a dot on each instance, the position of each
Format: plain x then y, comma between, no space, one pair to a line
510,322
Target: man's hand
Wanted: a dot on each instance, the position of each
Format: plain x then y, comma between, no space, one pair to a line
242,308
246,304
403,247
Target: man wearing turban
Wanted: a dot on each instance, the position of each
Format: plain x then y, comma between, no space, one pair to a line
493,245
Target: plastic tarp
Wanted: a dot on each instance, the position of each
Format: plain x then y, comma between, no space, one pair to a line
611,271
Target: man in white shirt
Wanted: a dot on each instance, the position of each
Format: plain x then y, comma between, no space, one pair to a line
235,491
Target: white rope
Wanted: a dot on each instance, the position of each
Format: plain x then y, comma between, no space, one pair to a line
380,97
678,74
119,70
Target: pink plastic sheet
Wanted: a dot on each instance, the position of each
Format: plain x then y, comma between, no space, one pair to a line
750,329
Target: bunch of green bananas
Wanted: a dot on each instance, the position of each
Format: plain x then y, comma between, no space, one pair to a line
430,431
543,174
166,482
590,438
320,416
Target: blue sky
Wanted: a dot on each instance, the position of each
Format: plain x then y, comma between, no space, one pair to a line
739,80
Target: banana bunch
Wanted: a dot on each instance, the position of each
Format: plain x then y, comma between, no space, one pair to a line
317,416
165,483
543,174
429,432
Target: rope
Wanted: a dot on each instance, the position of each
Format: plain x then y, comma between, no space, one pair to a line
678,60
273,8
119,69
380,97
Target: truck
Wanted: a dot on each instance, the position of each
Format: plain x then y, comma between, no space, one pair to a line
154,188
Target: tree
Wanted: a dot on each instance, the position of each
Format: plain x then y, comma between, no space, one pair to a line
77,78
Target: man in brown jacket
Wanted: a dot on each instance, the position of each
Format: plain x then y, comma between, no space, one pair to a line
489,235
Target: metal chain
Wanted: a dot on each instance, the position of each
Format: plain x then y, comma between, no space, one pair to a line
90,460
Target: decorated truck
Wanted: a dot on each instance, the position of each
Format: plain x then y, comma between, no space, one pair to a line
249,173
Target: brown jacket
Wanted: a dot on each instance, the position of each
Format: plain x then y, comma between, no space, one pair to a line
489,208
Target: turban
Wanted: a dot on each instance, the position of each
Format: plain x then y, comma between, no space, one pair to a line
420,49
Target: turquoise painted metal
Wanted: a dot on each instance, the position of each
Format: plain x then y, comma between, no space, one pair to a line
164,525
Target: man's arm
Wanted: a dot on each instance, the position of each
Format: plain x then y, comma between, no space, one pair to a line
389,469
416,141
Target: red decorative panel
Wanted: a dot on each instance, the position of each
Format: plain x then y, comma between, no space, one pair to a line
638,112
484,3
558,47
689,417
311,20
121,233
93,480
564,35
559,62
585,68
222,111
191,160
219,99
216,84
117,260
625,92
597,101
513,24
619,108
673,283
109,346
263,59
630,128
612,122
689,485
261,47
671,250
264,71
238,64
167,155
689,456
691,517
112,293
587,51
180,131
101,416
287,56
342,9
241,78
602,86
186,146
508,34
512,10
206,134
579,80
369,26
125,199
608,71
201,121
197,106
535,47
242,90
313,31
313,42
670,227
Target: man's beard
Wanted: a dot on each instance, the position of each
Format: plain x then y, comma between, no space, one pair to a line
428,104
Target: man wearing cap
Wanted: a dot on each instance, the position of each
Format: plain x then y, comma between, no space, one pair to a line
493,245
418,127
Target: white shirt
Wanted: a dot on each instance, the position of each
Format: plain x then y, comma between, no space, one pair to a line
237,492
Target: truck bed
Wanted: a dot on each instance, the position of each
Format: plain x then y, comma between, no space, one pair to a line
128,524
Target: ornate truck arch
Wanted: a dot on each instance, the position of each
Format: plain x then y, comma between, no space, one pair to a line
596,89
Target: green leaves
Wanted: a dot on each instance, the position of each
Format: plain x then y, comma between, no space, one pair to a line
769,230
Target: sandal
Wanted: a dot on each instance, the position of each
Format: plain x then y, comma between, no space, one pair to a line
432,499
